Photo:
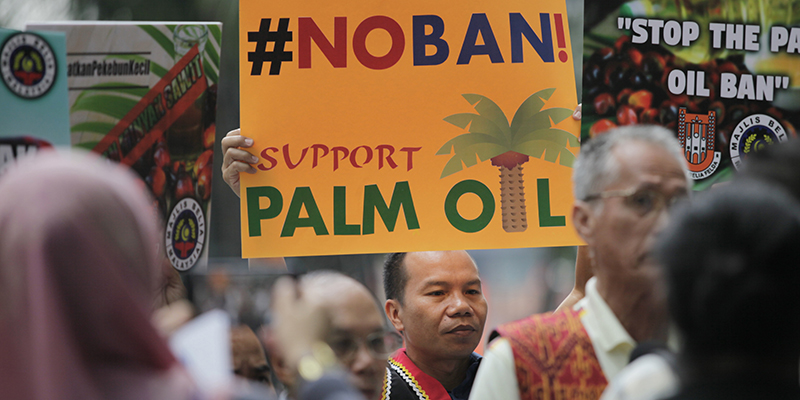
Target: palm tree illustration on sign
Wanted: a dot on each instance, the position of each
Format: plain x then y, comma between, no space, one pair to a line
530,134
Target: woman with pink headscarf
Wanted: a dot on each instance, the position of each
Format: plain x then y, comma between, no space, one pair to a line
79,268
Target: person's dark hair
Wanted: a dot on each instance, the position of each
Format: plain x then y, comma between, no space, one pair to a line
394,276
730,259
776,164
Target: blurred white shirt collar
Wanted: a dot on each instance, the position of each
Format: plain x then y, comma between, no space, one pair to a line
612,343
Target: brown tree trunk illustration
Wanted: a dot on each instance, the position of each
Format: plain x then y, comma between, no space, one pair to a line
512,199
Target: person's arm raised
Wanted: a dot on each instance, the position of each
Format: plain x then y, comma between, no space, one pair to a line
583,272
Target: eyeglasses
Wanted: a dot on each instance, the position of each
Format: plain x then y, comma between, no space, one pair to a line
379,344
644,201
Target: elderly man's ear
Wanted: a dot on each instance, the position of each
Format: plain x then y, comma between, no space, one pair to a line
584,220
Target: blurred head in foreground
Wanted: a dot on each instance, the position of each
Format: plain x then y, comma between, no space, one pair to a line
731,263
356,333
79,266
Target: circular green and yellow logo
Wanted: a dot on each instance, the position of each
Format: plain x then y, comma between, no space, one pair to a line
753,134
28,65
185,234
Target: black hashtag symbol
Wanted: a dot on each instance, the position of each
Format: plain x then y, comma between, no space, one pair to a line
278,54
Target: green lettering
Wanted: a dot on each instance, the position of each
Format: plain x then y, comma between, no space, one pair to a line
169,96
157,103
181,85
340,226
198,68
176,90
451,206
373,201
303,197
151,118
186,82
545,219
137,123
255,214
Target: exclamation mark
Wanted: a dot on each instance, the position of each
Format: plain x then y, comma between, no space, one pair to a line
562,55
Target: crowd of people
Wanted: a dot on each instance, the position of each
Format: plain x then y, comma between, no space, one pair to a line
678,295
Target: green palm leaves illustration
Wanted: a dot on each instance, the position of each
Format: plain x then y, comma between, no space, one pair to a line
508,146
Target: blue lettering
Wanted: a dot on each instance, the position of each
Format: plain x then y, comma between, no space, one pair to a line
519,27
422,41
480,24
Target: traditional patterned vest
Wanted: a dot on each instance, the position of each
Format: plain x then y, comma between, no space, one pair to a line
404,381
554,358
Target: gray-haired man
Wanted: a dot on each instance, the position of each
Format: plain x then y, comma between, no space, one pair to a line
624,183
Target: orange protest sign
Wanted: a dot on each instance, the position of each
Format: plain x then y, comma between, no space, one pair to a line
406,126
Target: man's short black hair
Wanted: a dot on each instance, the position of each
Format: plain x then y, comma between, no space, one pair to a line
395,276
730,259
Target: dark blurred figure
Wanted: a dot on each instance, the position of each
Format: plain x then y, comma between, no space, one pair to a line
776,164
731,264
79,269
249,359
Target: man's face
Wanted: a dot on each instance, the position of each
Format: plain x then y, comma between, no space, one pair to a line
354,318
623,229
443,308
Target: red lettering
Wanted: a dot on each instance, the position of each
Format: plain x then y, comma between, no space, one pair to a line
384,155
336,150
335,53
360,42
355,151
289,159
410,151
269,158
388,157
317,148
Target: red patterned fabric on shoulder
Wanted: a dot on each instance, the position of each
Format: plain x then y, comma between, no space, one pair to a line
554,357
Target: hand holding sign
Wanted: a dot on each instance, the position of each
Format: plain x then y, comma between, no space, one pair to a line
236,159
